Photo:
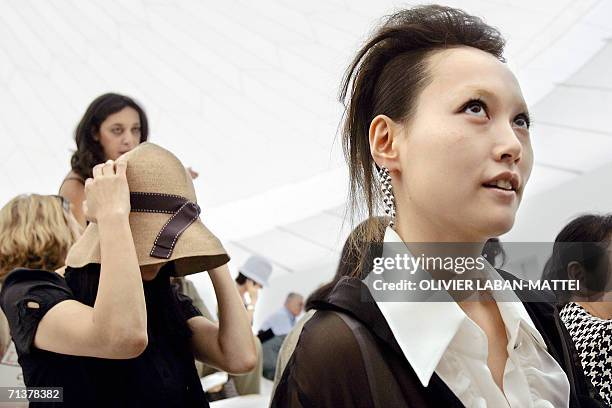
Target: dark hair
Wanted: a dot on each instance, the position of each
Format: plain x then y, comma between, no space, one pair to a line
241,279
388,74
89,152
356,258
582,241
493,249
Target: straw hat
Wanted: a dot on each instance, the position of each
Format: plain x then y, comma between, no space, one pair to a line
164,217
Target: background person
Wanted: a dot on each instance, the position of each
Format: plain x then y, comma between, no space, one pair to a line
274,330
253,276
112,125
36,232
583,251
282,321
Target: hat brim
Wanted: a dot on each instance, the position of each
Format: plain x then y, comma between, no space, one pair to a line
196,250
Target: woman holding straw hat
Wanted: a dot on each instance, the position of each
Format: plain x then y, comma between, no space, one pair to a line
113,331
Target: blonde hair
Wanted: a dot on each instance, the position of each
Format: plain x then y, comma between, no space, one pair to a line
34,233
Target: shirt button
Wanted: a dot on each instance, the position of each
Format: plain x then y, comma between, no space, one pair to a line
518,344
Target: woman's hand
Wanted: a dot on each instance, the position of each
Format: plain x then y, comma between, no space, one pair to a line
107,194
253,292
194,174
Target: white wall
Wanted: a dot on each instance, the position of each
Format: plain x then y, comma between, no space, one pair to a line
543,215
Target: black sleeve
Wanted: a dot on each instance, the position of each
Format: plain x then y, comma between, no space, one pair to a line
326,369
23,289
185,304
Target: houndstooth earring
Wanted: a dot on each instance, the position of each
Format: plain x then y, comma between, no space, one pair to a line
387,191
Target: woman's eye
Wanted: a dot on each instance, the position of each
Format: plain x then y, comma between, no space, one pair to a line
136,131
476,108
522,122
116,131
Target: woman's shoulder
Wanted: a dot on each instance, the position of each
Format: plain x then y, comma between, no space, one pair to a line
72,181
32,285
327,340
21,275
23,282
326,368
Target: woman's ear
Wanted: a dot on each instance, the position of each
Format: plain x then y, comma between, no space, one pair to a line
95,134
383,137
575,271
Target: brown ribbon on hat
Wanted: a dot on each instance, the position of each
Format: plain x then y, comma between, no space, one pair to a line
184,213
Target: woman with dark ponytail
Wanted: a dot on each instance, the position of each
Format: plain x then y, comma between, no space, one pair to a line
436,133
112,125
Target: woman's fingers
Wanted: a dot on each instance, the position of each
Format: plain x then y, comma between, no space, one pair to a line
121,167
97,170
108,169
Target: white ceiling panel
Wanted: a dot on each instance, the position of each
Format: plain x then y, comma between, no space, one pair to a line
289,251
570,149
576,107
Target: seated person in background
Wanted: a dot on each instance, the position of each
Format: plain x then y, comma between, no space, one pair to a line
275,329
283,320
36,232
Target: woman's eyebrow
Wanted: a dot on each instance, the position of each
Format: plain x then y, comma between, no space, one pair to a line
487,94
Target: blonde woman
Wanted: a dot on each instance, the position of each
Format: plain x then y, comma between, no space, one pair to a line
36,232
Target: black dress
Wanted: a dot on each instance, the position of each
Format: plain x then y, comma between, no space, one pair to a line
164,375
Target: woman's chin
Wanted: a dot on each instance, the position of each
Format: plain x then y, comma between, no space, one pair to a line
501,224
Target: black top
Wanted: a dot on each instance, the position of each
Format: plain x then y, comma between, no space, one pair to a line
348,357
164,375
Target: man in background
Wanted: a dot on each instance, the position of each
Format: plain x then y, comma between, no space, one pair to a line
275,329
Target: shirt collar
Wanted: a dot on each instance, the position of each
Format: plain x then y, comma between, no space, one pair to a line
424,330
289,314
515,315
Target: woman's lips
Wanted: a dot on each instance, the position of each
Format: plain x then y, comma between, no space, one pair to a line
502,194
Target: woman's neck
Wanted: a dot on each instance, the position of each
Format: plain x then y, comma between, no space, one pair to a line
600,309
428,237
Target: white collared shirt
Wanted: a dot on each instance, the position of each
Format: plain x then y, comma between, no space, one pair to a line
439,337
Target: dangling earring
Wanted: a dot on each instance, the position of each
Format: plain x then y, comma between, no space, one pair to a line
387,191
